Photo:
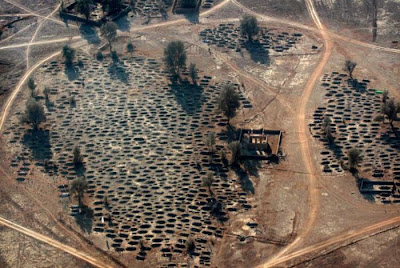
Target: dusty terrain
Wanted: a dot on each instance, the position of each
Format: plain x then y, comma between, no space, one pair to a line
142,137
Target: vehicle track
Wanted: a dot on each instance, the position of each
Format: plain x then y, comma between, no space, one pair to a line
28,49
305,27
31,12
54,243
301,126
352,234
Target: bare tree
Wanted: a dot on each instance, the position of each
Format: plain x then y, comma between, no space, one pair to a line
390,109
208,181
355,158
349,67
34,113
78,187
175,56
109,32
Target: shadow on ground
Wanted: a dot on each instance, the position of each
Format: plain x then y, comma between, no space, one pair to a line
38,142
85,219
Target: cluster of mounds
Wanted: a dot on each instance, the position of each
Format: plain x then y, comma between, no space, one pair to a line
207,3
142,139
151,7
229,36
352,108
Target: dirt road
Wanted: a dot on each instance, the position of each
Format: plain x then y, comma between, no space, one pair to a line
336,240
53,243
305,27
302,130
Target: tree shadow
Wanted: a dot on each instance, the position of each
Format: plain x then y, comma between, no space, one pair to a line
188,96
80,170
38,141
230,134
258,53
72,72
49,105
336,149
116,70
245,182
358,86
85,219
89,33
217,209
123,24
368,197
193,17
252,166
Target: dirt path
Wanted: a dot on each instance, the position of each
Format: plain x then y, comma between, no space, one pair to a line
301,126
305,27
31,12
337,239
28,49
54,243
58,40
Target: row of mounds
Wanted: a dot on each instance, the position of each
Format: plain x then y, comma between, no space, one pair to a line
229,36
352,107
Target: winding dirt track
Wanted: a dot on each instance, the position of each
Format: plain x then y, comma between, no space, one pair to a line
336,240
301,126
30,12
53,243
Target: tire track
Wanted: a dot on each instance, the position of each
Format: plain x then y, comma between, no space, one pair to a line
54,243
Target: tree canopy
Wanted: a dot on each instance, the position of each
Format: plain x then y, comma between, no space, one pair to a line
249,26
109,32
77,156
355,158
208,181
78,187
175,56
390,109
34,113
228,101
68,54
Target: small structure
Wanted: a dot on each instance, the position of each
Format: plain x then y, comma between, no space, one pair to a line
97,18
260,143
